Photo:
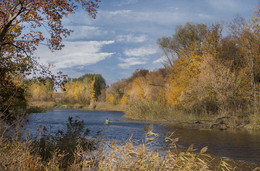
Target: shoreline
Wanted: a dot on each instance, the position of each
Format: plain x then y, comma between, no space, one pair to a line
217,123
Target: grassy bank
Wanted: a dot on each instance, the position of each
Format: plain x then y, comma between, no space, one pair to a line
152,111
97,106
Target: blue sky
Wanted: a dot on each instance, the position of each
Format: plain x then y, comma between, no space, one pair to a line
123,37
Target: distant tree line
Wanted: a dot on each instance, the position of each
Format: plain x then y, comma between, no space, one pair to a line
83,90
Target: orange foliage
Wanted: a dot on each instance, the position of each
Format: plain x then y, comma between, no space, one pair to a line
183,71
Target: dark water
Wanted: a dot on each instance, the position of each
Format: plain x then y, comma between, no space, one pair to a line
237,145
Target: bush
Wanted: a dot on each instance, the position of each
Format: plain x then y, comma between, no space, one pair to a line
63,143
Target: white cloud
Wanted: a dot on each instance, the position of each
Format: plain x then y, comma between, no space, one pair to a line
75,54
127,2
127,62
230,5
142,51
130,17
130,38
118,12
86,32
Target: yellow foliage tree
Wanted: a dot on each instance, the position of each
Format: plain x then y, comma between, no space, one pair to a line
139,89
92,90
76,92
183,71
41,91
110,98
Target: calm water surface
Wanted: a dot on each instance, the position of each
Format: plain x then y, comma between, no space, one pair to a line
238,145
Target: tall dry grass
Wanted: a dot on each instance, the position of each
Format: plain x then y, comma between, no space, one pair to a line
153,111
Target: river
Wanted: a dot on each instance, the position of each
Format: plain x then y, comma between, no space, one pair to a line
239,145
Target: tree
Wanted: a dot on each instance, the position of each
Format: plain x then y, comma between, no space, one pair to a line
92,90
77,92
116,91
246,35
21,25
99,83
174,47
41,90
250,39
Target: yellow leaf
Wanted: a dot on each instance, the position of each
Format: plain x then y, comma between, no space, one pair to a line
204,149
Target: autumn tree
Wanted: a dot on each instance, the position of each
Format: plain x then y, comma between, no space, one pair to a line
40,90
84,89
99,83
250,44
184,52
92,90
77,92
141,86
116,91
227,80
184,36
21,25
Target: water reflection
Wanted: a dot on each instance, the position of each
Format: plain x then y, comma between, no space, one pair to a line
234,144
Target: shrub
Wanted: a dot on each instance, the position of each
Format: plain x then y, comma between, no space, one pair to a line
63,143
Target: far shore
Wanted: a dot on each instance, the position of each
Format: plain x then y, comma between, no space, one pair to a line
201,124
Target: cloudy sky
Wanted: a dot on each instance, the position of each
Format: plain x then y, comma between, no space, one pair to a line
123,37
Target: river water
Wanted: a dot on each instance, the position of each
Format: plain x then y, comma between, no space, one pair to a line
239,145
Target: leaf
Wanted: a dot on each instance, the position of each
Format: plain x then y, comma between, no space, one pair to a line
145,128
150,127
181,154
204,149
190,148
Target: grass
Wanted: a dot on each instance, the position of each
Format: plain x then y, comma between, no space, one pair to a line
35,110
153,111
103,106
37,105
254,122
42,104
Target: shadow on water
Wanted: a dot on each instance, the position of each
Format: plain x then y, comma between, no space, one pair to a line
237,145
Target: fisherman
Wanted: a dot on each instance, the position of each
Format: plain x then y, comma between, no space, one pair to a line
107,121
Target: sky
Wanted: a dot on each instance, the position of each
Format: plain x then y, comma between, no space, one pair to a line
124,35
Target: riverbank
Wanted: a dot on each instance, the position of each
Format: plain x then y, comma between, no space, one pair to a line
151,111
102,106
